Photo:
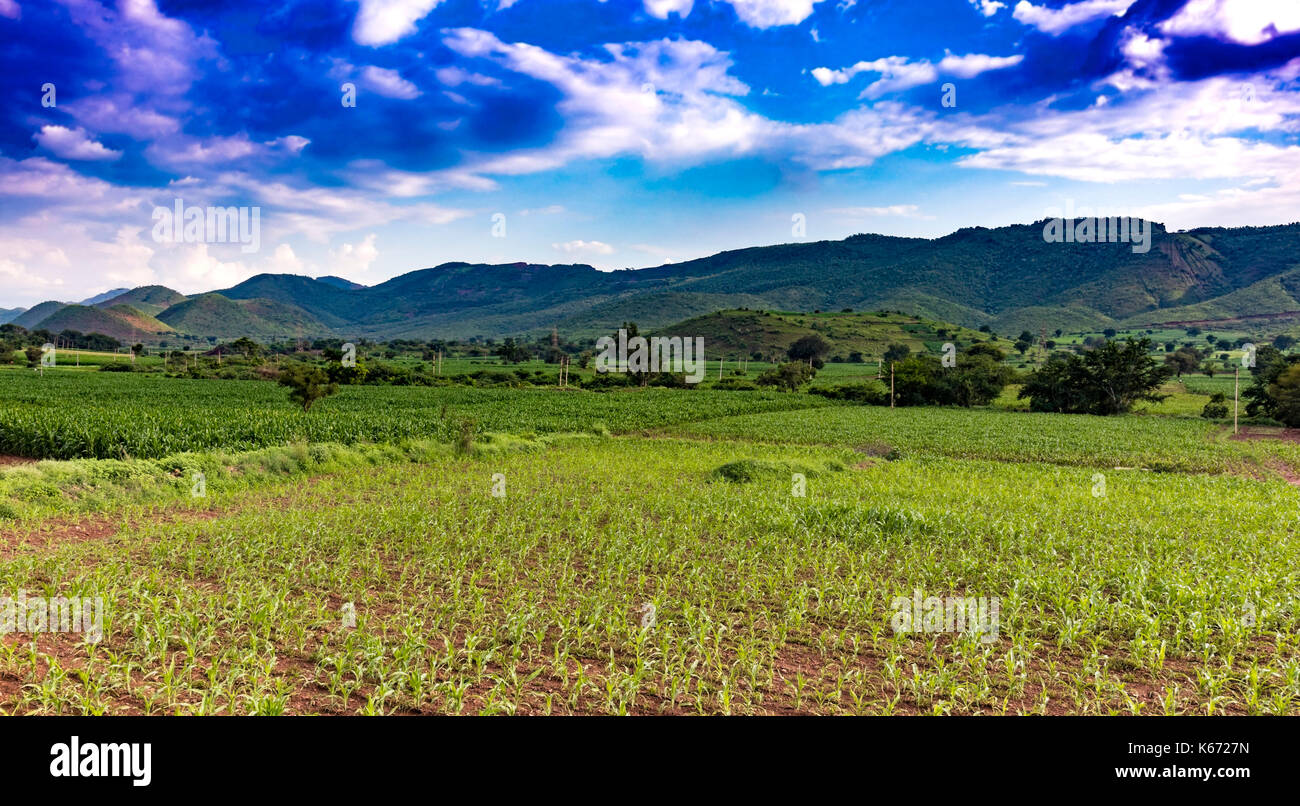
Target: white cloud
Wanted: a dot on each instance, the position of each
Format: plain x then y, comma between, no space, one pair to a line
771,13
1057,20
119,114
388,83
73,144
662,8
454,77
972,64
1249,22
987,7
353,260
10,9
898,73
902,210
382,22
672,101
583,248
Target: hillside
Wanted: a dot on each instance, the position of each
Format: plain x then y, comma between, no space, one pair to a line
768,334
150,299
107,295
216,315
339,282
1008,278
122,322
7,315
32,318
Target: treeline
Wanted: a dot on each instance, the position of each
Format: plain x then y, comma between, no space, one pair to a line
15,337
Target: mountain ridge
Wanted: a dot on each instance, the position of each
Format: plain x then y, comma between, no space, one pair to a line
1007,278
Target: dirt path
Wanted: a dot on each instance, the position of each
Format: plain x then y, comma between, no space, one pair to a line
1255,433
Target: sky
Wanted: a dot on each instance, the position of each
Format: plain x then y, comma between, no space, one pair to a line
376,137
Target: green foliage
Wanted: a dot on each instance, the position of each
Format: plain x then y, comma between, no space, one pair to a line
68,415
306,384
1216,408
789,376
1106,380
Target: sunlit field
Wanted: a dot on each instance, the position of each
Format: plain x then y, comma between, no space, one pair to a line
624,575
495,551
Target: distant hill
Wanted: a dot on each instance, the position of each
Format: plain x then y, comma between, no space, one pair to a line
339,282
32,317
768,334
7,315
150,299
222,317
1008,278
98,298
122,322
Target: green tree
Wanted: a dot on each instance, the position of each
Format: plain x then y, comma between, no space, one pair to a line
788,376
896,352
1108,380
808,348
306,384
1285,393
1216,408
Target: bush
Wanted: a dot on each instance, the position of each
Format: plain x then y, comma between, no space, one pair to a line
1217,408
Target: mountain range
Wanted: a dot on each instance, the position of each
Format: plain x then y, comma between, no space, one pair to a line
1008,278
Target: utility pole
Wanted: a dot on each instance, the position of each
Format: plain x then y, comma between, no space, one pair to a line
1236,385
891,384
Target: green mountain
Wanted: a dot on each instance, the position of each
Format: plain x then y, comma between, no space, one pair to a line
7,315
262,319
107,295
150,299
32,317
1008,278
122,322
768,334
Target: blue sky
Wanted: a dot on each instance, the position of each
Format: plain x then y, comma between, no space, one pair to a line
625,133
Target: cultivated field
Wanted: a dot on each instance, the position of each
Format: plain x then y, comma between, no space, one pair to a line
639,551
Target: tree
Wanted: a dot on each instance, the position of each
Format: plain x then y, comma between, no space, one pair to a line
788,376
1026,336
137,348
1108,380
1284,342
306,384
1285,393
33,356
1216,408
808,348
244,345
1185,359
1023,346
1109,333
1209,369
896,352
511,352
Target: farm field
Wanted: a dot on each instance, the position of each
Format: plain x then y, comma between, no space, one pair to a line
1143,441
65,415
626,575
451,550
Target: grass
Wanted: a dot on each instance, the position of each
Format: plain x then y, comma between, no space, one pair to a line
1156,443
1170,593
66,415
